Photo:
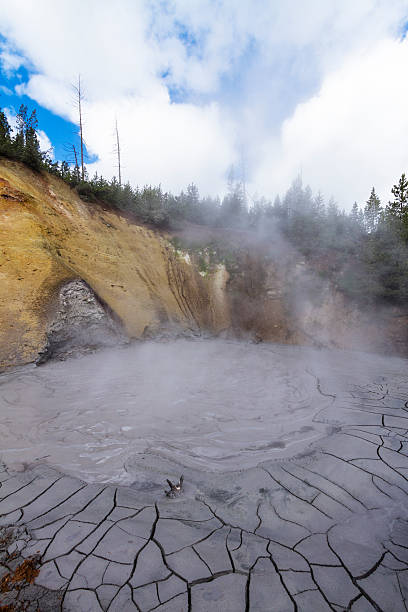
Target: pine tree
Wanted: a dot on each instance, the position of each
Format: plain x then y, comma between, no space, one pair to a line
65,171
354,212
281,212
357,216
318,206
19,139
333,211
25,145
399,206
233,207
372,212
294,198
5,135
193,195
32,154
277,204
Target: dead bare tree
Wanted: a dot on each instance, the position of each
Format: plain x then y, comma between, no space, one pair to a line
243,174
117,151
79,97
76,160
72,158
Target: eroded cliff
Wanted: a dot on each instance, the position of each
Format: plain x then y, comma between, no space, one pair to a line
49,236
148,282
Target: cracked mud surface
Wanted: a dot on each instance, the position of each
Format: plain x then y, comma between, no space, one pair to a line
320,524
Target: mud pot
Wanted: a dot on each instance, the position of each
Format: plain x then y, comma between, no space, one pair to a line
295,465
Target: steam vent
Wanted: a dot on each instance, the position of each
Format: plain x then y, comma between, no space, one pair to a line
180,432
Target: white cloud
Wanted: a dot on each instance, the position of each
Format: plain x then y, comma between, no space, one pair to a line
251,69
171,144
352,133
53,94
10,60
45,143
307,37
6,90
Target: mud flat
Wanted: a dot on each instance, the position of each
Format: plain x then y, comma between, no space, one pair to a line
296,478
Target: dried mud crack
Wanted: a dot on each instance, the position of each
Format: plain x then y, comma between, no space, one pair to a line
325,528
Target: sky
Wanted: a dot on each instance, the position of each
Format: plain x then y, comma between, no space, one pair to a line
272,88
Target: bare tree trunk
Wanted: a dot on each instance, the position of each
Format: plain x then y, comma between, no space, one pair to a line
80,127
118,151
243,172
79,99
76,161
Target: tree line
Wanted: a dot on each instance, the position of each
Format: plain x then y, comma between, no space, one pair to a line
364,252
24,145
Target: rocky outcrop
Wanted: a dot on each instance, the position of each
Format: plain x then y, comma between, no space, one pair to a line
80,323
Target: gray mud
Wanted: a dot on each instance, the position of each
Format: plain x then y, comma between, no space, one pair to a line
295,466
213,405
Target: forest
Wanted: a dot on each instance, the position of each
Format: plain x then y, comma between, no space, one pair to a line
364,251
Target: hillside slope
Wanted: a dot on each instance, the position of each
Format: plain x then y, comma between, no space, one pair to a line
55,248
49,236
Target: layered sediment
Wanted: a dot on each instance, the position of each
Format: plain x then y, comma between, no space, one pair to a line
50,237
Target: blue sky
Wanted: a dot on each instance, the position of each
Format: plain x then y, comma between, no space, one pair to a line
197,86
233,85
61,133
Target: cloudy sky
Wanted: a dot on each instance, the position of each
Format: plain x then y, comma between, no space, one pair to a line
273,87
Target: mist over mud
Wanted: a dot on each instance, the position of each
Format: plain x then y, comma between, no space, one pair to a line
211,405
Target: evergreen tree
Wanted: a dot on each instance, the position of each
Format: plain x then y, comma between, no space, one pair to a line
354,215
318,206
5,135
233,207
372,212
361,217
332,209
357,217
19,138
294,197
399,206
65,171
32,154
307,199
193,195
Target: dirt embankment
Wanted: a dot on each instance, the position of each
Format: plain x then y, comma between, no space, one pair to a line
50,238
